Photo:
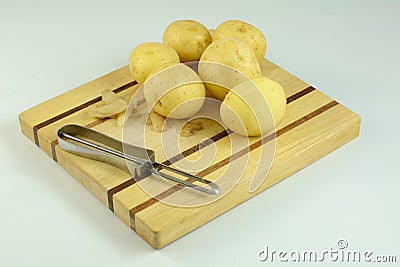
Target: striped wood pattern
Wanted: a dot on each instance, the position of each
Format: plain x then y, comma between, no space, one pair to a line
313,126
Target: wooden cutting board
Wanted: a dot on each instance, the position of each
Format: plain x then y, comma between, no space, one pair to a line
313,126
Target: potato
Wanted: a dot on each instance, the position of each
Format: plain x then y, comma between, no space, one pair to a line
188,37
254,107
244,31
211,32
174,91
237,63
157,121
146,57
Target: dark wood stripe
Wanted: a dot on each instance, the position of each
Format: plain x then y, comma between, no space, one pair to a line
116,189
96,122
73,110
235,156
299,94
212,139
197,147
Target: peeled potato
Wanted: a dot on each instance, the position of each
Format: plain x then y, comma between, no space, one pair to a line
146,57
244,31
254,107
226,63
189,38
174,91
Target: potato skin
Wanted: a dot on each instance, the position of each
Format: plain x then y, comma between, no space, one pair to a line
254,107
211,31
146,57
237,63
244,31
189,38
174,91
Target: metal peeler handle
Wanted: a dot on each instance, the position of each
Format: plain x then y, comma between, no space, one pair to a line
91,144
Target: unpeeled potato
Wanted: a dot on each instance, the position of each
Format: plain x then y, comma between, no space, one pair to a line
189,38
146,57
244,31
174,91
254,107
211,32
226,63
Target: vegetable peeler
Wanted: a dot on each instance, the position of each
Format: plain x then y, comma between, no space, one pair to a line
91,144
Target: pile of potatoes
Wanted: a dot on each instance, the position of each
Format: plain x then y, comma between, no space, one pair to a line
228,70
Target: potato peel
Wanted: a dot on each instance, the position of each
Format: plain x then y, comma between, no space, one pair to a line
111,106
190,128
120,119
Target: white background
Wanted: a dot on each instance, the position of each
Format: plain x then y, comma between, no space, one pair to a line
347,49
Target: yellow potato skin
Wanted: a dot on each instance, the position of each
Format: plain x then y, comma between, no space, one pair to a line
182,95
211,32
244,31
174,91
216,91
189,38
146,57
232,52
250,118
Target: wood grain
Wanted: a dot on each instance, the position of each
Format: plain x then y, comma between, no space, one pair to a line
313,126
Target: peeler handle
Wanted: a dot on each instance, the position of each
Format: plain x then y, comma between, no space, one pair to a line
90,144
